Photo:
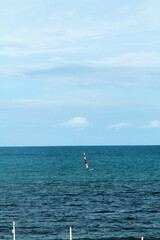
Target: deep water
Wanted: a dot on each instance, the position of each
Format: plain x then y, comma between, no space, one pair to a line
45,190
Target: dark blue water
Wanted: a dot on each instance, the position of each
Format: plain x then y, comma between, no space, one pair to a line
45,190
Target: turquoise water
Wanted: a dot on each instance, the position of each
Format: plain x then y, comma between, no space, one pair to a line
45,190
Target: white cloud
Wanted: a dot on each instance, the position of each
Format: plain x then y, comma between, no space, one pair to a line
120,125
57,32
152,124
76,123
131,59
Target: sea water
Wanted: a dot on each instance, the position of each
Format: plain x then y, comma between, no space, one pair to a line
47,190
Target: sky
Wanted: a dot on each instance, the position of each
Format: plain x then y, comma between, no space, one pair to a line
79,72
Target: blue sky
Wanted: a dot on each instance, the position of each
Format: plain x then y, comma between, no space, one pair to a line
79,72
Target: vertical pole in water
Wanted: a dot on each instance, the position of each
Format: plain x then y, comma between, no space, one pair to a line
70,233
14,232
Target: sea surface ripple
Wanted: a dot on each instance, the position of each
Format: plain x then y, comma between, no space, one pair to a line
45,190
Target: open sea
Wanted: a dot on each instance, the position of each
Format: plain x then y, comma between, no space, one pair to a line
47,190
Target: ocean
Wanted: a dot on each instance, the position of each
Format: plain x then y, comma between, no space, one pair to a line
47,190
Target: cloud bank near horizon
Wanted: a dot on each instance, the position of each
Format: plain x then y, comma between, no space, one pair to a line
76,123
